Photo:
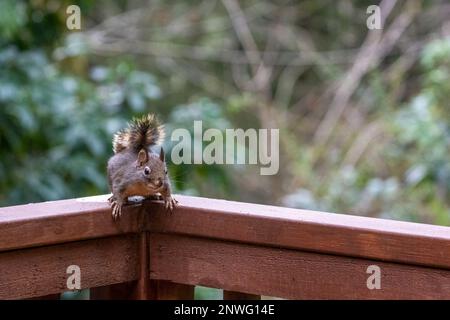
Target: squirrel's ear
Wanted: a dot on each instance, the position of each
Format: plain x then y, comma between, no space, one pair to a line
161,154
142,157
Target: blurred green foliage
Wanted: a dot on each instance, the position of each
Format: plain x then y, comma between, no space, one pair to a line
417,186
57,127
58,114
204,293
60,104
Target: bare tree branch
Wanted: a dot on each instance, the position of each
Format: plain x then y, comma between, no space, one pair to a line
375,47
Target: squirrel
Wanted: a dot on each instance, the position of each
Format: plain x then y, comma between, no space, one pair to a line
134,169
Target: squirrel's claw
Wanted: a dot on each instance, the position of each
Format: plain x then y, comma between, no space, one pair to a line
170,203
111,200
116,210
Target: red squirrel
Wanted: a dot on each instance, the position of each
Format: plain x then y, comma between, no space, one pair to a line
134,169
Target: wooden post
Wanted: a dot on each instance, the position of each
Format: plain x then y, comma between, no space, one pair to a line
134,290
142,286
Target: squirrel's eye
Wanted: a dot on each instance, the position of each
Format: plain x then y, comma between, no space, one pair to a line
147,171
165,171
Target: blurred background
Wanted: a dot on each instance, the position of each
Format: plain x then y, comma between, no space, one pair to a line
363,114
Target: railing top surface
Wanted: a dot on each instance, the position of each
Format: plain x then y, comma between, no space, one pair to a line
86,218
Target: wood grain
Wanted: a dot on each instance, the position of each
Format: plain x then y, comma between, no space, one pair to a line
246,249
314,231
42,271
133,290
287,273
387,240
55,222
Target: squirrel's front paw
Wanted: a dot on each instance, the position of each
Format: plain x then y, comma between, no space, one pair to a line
116,209
170,203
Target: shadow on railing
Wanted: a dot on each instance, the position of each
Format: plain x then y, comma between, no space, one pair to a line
246,249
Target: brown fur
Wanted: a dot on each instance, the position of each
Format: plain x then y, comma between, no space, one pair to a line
126,171
141,133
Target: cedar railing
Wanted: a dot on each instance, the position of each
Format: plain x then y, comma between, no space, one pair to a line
246,249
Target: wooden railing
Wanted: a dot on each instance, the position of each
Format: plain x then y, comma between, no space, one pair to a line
246,249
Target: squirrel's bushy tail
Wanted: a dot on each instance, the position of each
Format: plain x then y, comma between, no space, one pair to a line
141,133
